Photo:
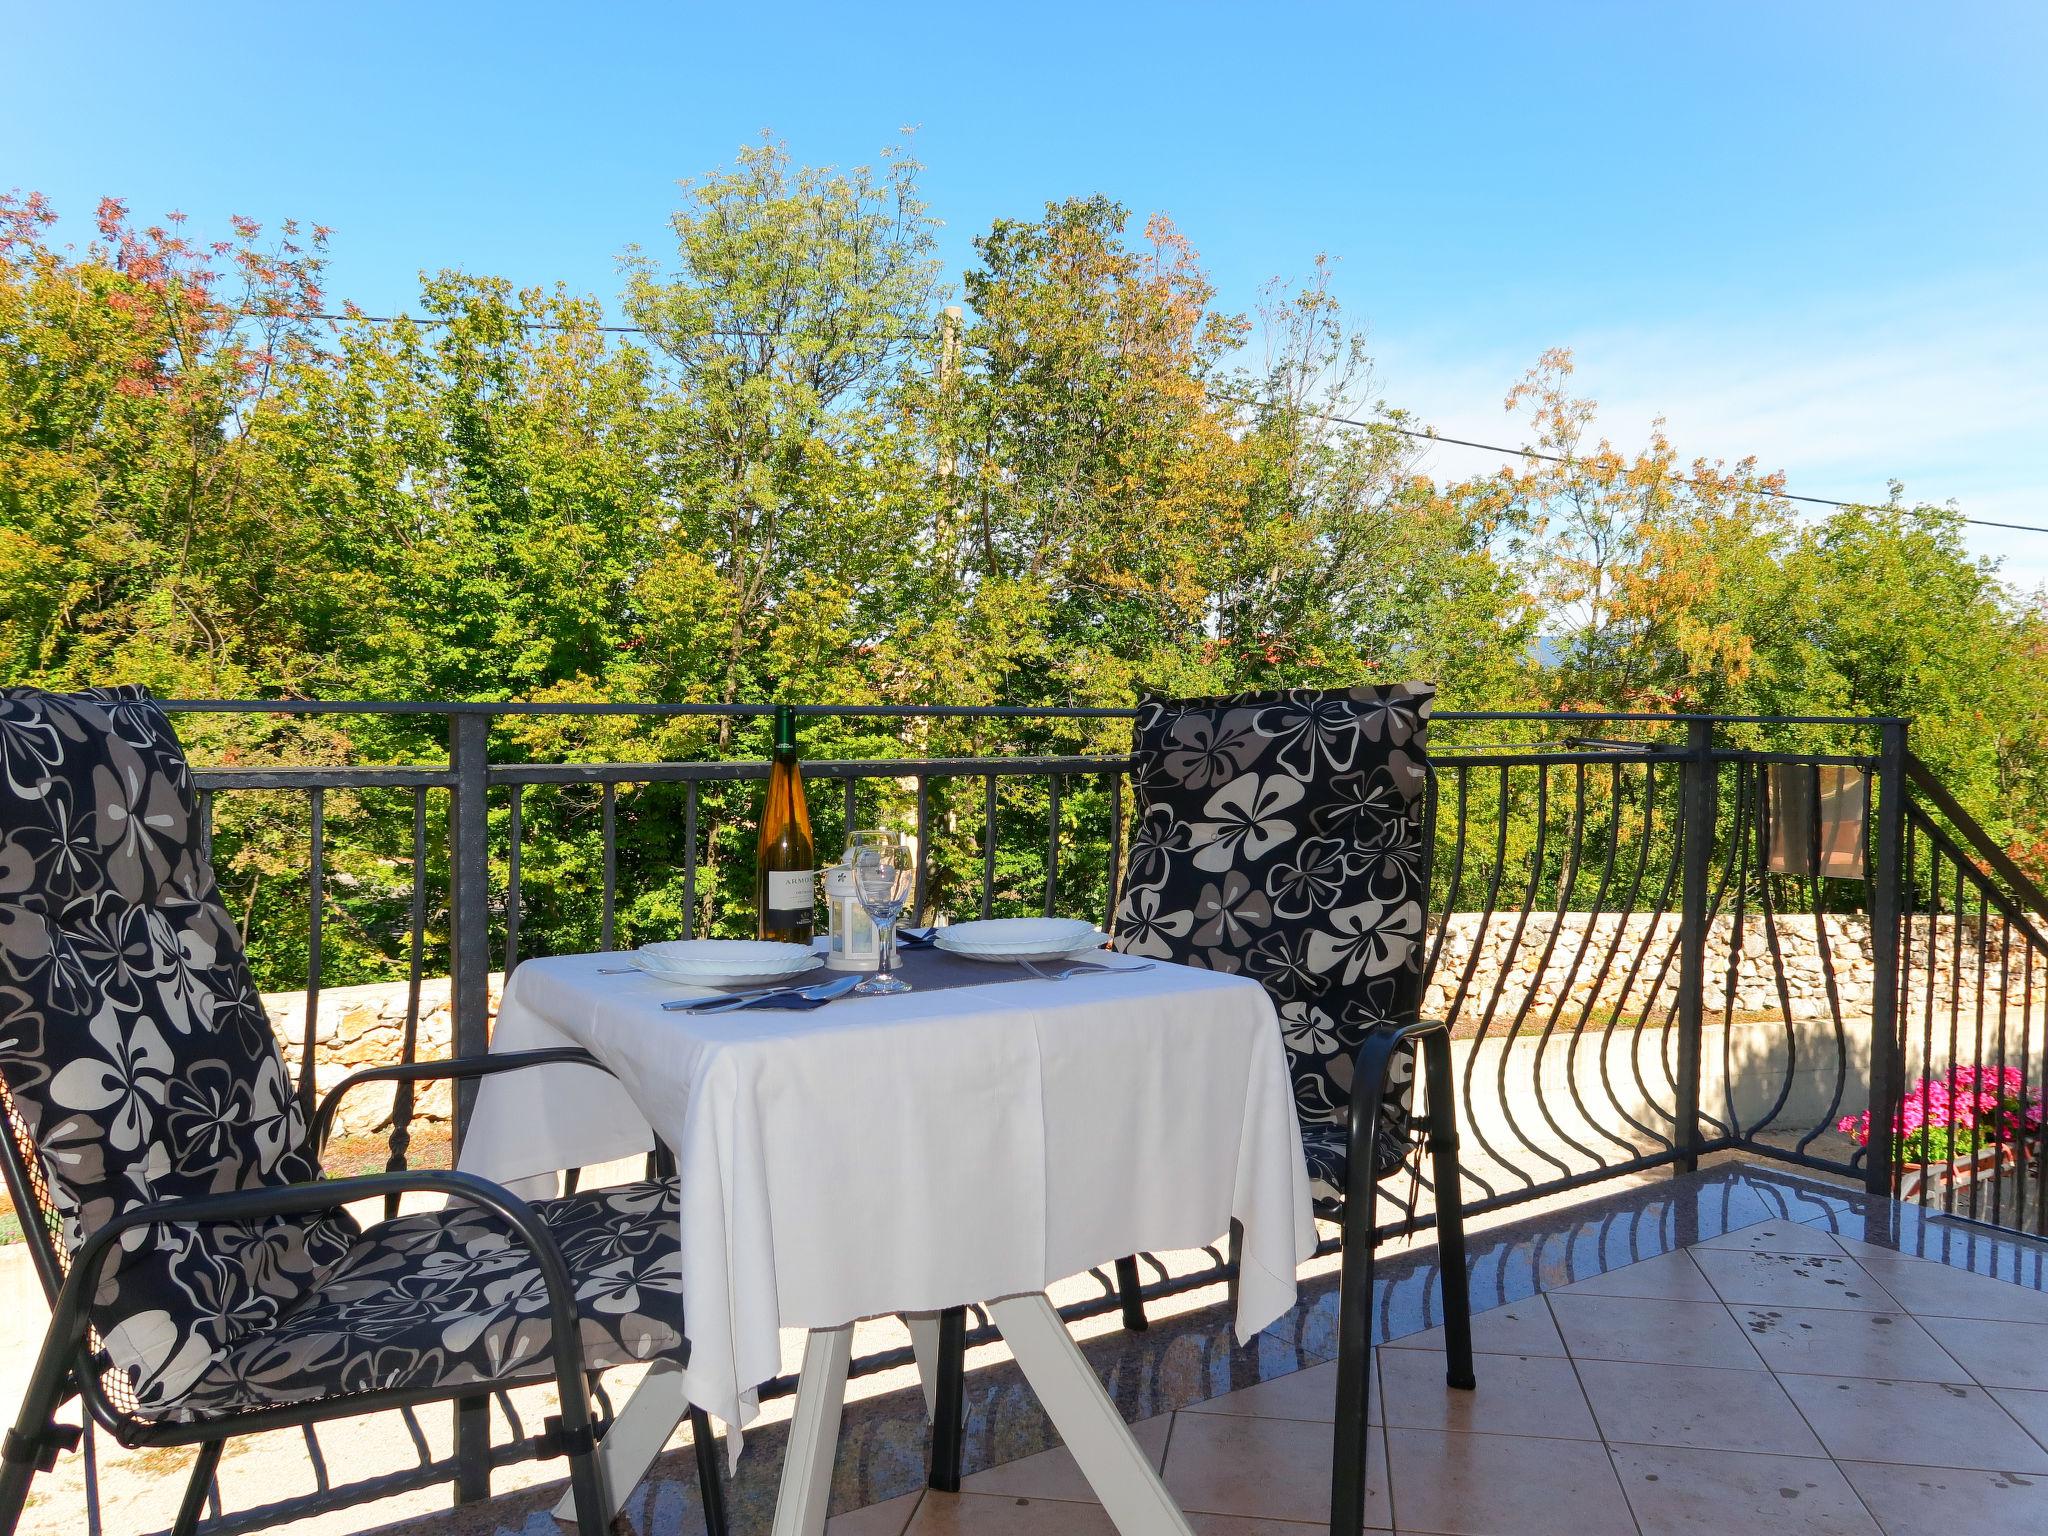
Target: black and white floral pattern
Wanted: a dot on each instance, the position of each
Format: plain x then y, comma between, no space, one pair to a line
450,1298
1280,835
136,1053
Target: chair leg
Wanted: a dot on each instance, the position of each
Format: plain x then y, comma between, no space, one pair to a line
587,1487
710,1482
1131,1294
197,1487
31,1446
1354,1365
949,1412
15,1476
1349,1460
1450,1214
472,1449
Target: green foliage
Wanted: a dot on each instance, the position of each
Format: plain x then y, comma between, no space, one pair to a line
793,484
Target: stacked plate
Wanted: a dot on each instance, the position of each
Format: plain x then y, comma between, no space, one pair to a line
725,962
1013,939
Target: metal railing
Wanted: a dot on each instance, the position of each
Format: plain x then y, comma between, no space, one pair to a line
1605,915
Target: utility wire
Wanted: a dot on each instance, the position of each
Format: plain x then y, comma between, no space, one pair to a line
1419,434
1423,434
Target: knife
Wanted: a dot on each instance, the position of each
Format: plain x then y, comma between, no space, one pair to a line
821,993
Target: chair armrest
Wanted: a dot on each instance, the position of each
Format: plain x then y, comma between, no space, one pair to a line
1368,1087
426,1071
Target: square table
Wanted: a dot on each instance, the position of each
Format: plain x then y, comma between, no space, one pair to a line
910,1153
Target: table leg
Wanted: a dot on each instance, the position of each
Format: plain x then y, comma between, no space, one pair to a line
924,1343
806,1490
1116,1467
639,1432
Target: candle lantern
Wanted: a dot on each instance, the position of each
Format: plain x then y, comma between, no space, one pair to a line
855,941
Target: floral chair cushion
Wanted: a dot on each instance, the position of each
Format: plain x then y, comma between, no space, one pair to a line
133,1045
446,1299
1279,835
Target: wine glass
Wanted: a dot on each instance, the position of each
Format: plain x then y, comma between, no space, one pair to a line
865,843
883,879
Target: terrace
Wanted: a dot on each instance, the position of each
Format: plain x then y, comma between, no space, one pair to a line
1676,955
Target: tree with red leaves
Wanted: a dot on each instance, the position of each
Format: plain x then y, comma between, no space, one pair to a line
136,374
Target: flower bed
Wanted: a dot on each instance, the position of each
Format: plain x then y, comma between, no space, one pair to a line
1955,1128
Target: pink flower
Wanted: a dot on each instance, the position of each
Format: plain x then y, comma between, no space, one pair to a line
1989,1104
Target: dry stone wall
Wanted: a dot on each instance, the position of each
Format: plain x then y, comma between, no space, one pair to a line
1602,965
1575,961
365,1027
1517,976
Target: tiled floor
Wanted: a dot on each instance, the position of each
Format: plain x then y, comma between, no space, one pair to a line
1778,1380
1740,1350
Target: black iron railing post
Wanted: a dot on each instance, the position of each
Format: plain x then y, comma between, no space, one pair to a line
469,1007
1698,795
1887,892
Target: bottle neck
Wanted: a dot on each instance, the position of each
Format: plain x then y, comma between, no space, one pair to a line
785,734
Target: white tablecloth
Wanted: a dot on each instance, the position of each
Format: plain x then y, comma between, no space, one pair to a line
908,1153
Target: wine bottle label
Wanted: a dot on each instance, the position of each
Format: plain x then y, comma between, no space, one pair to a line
792,890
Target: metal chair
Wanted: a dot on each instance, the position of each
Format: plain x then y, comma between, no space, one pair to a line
1282,835
204,1279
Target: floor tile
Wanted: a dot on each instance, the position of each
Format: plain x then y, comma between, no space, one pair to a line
1504,1485
1926,1288
1274,1469
1653,1328
1517,1395
1519,1328
1671,1274
1053,1475
1776,1237
1791,1280
1309,1395
885,1519
1238,1525
1679,1492
989,1514
2030,1408
1825,1341
1921,1422
1995,1352
1688,1405
1912,1501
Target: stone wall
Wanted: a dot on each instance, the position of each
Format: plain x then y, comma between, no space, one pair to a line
1573,969
365,1027
1629,960
1577,962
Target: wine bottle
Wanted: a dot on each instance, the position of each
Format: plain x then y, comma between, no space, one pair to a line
786,882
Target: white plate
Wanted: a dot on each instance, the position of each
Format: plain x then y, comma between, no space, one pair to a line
1014,935
702,978
725,962
1091,945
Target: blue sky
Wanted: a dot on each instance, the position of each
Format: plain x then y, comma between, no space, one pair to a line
1812,231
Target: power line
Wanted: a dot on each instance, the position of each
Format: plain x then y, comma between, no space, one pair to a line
1419,434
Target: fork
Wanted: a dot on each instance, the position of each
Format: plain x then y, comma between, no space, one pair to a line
1086,968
